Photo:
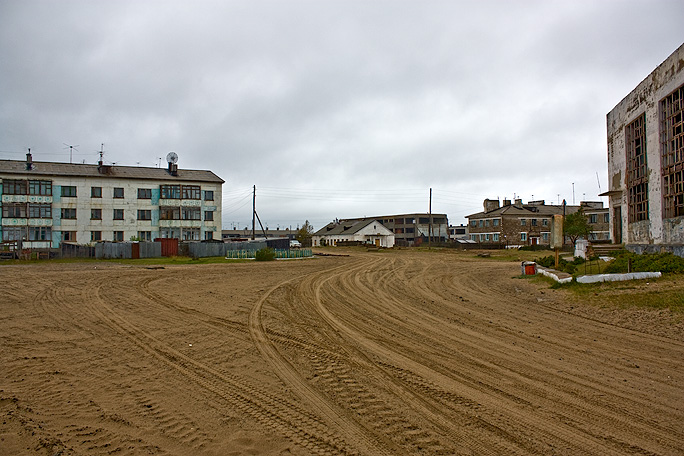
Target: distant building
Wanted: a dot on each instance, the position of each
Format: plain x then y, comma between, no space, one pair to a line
518,224
231,235
646,161
415,229
47,203
458,232
366,231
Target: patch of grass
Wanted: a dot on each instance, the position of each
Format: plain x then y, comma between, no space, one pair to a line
514,255
664,293
663,262
670,299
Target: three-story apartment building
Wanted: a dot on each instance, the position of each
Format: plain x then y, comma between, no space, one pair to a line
47,203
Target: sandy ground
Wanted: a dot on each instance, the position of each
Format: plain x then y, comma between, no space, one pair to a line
378,353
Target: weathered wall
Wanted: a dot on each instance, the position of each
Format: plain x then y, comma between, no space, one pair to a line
643,100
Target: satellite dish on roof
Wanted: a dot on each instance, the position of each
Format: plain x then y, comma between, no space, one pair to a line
172,157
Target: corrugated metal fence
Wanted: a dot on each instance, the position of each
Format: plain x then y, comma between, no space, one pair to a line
107,250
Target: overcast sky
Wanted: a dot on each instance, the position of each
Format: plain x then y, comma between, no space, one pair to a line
334,109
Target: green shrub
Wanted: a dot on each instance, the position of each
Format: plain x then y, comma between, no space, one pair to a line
648,262
265,254
563,265
547,261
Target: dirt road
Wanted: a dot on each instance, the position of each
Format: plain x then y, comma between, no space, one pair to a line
391,353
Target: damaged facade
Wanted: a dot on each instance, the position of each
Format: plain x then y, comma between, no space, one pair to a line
646,162
518,224
47,203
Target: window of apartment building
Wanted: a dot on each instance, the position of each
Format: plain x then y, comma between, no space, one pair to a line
191,213
637,169
487,222
209,216
169,233
523,237
409,230
118,236
40,210
496,222
169,213
96,214
208,195
473,237
96,192
473,223
118,214
672,152
486,237
480,223
208,235
14,210
68,191
523,222
144,193
68,213
13,187
545,237
423,220
191,192
40,187
191,234
144,214
606,218
95,236
40,233
534,222
545,222
482,237
593,218
495,237
170,191
409,221
118,192
145,236
13,233
69,236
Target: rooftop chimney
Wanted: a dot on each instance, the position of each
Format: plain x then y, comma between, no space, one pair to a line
173,169
506,202
29,161
490,205
518,202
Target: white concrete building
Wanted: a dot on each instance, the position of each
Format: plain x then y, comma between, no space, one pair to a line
367,231
646,161
47,203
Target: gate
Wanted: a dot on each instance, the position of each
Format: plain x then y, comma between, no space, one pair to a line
169,246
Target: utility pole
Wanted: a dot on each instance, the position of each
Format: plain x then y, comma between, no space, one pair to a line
253,210
430,223
573,193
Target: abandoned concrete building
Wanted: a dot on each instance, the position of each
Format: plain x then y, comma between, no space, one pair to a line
646,162
458,232
45,203
517,224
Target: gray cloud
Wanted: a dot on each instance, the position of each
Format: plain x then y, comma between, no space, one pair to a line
316,102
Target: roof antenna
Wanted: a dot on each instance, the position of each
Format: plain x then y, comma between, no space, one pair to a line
71,150
101,154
